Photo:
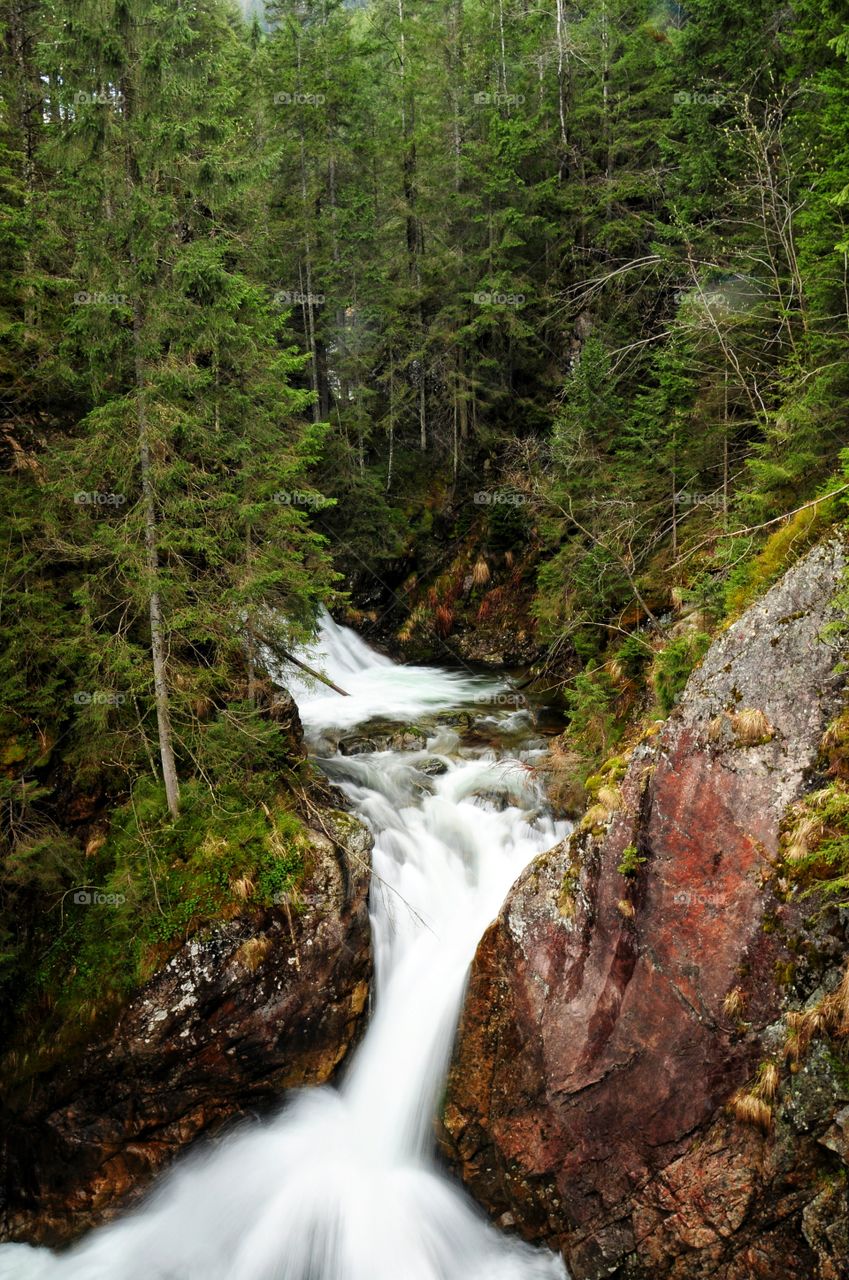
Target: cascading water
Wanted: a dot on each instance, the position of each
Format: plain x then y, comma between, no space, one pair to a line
344,1184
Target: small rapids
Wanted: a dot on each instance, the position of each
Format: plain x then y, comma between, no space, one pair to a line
344,1183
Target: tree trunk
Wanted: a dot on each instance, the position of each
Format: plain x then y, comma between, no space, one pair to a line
503,50
456,459
463,389
725,454
456,65
306,293
157,636
605,85
560,85
391,424
674,505
422,411
415,241
250,630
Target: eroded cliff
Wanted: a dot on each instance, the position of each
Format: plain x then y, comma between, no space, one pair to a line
269,1001
632,983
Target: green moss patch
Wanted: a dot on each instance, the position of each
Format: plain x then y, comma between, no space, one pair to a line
151,885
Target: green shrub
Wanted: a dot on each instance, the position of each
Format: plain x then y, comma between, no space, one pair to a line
631,861
673,665
592,722
632,656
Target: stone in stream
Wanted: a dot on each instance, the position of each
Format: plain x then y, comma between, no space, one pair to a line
433,767
596,1053
383,738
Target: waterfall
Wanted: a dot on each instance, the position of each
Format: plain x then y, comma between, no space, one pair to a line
344,1183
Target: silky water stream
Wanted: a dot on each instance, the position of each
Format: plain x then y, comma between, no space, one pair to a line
344,1184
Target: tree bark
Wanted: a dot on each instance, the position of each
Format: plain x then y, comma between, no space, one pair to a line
316,675
250,631
157,635
391,424
559,18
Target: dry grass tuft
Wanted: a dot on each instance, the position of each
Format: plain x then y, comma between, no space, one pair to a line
793,1046
481,572
243,888
444,619
626,908
560,770
616,671
95,843
253,952
734,1003
835,735
832,1012
842,1004
766,1085
751,726
610,798
89,1011
595,816
749,1109
803,838
213,846
716,728
802,1026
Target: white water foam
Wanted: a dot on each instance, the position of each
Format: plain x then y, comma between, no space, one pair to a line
344,1183
377,687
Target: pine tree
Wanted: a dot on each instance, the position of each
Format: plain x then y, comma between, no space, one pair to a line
195,441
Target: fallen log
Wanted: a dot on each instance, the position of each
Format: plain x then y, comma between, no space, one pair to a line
316,675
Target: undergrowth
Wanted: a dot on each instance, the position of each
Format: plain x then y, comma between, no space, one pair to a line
150,885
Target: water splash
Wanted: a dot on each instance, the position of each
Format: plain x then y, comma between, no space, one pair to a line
378,688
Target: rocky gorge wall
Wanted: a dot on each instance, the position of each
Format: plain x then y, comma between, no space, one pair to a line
251,1007
632,983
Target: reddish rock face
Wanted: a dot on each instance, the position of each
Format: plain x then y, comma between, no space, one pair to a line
594,1058
250,1008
